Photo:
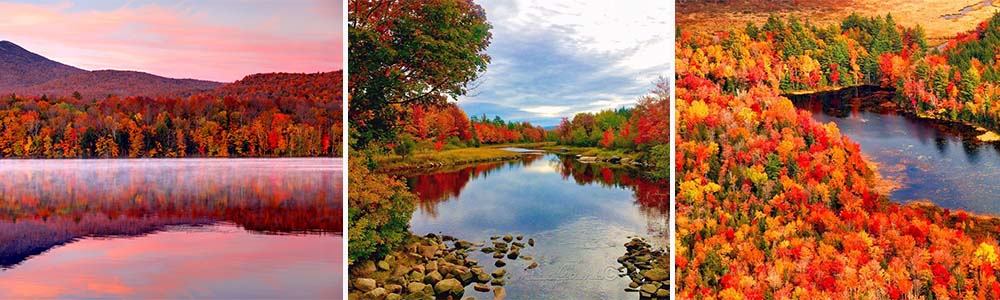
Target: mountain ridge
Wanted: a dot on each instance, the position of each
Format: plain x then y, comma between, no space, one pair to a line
27,73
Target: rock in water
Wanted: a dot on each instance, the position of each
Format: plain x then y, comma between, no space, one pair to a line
479,287
499,293
656,274
499,273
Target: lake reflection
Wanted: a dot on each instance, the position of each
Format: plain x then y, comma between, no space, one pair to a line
579,214
932,160
170,228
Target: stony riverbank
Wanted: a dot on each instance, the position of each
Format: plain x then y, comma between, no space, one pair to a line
648,269
439,267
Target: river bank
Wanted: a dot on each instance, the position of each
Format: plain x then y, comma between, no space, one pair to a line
575,220
437,159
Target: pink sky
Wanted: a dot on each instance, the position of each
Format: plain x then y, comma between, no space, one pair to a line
220,40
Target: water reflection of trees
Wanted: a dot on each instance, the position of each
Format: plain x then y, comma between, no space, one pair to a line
41,207
651,196
849,103
444,184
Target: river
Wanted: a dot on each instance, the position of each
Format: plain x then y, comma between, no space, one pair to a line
580,215
930,160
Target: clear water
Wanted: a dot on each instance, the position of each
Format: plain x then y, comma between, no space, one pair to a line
934,161
580,216
171,229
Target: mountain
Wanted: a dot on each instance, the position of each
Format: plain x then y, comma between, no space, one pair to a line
99,84
25,73
21,68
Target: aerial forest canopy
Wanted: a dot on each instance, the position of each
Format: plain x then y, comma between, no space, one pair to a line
263,115
409,52
775,205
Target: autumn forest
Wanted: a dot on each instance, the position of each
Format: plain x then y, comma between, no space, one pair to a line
263,115
775,205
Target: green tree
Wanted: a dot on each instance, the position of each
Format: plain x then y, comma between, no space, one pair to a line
410,52
405,145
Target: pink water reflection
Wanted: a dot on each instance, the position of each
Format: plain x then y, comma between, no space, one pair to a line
217,261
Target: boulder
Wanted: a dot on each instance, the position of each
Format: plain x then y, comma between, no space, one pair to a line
384,266
656,274
364,284
479,287
433,277
415,287
449,287
499,273
648,288
377,293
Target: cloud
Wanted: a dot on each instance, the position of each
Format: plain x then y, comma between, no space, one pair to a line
546,111
577,56
219,41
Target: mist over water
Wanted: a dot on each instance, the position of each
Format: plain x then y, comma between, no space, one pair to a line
194,228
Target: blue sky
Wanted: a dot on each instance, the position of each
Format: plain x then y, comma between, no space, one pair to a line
553,59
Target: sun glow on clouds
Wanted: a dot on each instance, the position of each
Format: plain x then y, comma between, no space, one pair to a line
222,40
552,59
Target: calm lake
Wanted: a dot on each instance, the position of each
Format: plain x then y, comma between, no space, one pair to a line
580,215
171,229
931,160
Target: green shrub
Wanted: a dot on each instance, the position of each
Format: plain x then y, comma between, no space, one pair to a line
379,211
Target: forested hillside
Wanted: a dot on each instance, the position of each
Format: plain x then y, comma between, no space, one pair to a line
265,115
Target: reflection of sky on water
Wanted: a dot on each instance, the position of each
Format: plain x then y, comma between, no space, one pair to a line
579,228
217,261
932,161
171,228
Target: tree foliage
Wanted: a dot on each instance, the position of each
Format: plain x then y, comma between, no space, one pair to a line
410,52
259,116
774,205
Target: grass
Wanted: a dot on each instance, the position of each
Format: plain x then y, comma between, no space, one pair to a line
427,159
590,151
699,16
430,159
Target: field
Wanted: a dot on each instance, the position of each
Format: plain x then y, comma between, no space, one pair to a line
940,19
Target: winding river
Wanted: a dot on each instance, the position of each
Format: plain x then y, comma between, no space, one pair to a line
929,160
580,215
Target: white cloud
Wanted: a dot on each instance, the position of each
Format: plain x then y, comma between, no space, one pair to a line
547,111
555,58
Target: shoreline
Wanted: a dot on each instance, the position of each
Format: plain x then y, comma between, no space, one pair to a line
886,185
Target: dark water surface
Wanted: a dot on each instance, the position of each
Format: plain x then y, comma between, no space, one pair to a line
580,215
932,160
171,229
